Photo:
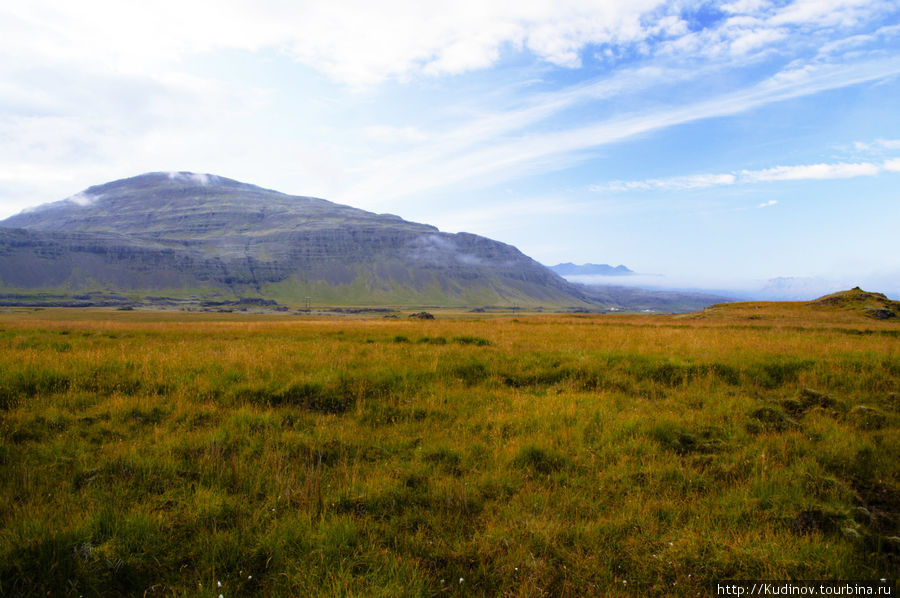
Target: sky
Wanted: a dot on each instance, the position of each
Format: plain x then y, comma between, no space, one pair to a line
745,145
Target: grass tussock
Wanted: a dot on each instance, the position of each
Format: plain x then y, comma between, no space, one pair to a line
532,456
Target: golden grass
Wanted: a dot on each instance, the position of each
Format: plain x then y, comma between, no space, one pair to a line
530,455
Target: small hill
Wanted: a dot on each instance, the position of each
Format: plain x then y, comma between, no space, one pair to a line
854,305
872,305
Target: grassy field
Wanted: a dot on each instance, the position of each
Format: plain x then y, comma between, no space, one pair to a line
199,454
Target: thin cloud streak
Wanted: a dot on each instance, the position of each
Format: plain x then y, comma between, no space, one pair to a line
841,170
804,172
479,158
167,117
680,183
379,177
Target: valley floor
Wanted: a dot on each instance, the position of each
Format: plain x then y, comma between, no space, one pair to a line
527,455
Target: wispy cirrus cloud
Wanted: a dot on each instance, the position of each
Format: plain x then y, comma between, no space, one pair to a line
878,144
802,172
828,13
391,134
840,170
119,76
679,183
475,151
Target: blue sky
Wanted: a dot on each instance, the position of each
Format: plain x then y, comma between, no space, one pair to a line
750,144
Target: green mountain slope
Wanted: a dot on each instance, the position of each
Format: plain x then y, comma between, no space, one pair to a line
204,236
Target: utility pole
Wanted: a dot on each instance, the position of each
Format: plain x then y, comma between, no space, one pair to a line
307,303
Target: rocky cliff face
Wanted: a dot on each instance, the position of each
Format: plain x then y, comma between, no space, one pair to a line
205,235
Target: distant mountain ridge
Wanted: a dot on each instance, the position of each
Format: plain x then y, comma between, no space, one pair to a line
206,236
570,269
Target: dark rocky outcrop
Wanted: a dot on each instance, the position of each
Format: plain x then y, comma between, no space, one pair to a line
422,315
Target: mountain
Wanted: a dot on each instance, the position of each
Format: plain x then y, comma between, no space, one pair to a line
570,269
208,237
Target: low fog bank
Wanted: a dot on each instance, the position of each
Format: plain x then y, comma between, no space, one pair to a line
772,289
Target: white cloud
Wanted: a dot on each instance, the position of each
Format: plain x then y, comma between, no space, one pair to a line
103,87
756,30
193,177
363,43
829,13
767,204
877,146
357,42
853,42
680,183
746,6
747,41
82,199
839,170
478,151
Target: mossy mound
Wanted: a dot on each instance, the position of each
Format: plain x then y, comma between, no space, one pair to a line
873,305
